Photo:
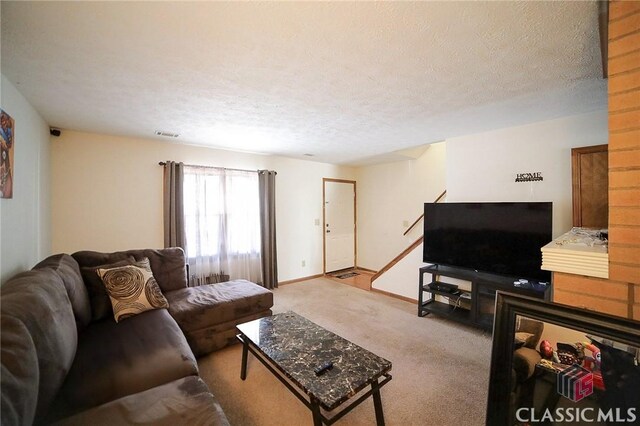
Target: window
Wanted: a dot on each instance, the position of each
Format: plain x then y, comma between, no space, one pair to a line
222,223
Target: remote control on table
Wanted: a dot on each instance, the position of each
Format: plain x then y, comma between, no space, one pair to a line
323,368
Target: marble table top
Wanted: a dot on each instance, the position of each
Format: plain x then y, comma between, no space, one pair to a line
297,346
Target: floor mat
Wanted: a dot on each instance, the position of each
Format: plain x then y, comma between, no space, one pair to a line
347,275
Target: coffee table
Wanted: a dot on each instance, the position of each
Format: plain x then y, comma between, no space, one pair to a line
291,347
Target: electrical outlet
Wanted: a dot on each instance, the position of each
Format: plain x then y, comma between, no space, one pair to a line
304,263
317,221
405,223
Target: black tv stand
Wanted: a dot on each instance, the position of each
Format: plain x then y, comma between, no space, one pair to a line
475,306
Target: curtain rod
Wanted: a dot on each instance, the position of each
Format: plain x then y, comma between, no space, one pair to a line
163,163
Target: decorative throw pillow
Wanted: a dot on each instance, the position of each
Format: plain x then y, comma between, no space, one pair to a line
98,297
132,289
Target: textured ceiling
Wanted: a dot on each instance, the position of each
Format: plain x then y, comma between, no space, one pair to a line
349,82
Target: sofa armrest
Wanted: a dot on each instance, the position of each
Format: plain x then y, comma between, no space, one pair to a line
524,363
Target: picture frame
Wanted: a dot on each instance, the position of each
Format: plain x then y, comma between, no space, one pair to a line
508,308
7,142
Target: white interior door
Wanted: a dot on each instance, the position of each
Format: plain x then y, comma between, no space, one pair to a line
339,225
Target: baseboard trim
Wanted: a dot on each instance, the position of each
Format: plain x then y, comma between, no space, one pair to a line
366,269
395,296
297,280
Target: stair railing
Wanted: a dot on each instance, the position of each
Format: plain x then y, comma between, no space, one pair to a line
422,215
409,249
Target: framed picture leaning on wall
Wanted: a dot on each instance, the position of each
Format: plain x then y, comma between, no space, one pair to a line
557,364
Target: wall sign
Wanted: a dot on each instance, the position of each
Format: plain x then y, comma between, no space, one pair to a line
529,177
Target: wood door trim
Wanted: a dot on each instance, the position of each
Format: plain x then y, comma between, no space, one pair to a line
299,280
575,177
338,180
324,221
395,296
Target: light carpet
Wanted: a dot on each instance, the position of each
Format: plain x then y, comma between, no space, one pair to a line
440,368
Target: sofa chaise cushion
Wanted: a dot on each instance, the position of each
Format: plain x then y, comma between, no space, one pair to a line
119,359
208,314
218,336
195,308
186,401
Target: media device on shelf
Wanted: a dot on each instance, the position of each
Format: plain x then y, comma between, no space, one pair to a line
497,238
444,287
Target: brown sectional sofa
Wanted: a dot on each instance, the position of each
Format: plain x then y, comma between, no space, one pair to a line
62,363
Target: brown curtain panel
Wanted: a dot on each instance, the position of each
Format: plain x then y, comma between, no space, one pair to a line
267,183
174,234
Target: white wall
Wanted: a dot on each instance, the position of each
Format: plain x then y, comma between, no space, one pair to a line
555,333
107,195
402,278
483,167
390,195
480,167
393,193
25,236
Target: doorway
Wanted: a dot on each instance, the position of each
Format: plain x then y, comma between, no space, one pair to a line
339,224
590,176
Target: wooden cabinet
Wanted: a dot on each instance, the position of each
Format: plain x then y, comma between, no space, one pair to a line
590,176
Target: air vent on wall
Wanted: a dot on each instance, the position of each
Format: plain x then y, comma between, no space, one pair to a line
167,134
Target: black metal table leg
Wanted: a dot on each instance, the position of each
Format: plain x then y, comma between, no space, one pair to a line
420,281
315,410
377,404
245,350
310,401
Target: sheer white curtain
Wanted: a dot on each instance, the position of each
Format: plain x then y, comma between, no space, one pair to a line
222,224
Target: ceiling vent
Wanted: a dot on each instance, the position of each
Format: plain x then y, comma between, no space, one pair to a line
167,134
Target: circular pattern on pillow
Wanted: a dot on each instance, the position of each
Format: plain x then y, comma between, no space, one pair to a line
132,289
124,283
153,293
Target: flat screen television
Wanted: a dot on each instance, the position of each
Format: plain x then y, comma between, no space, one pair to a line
498,238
